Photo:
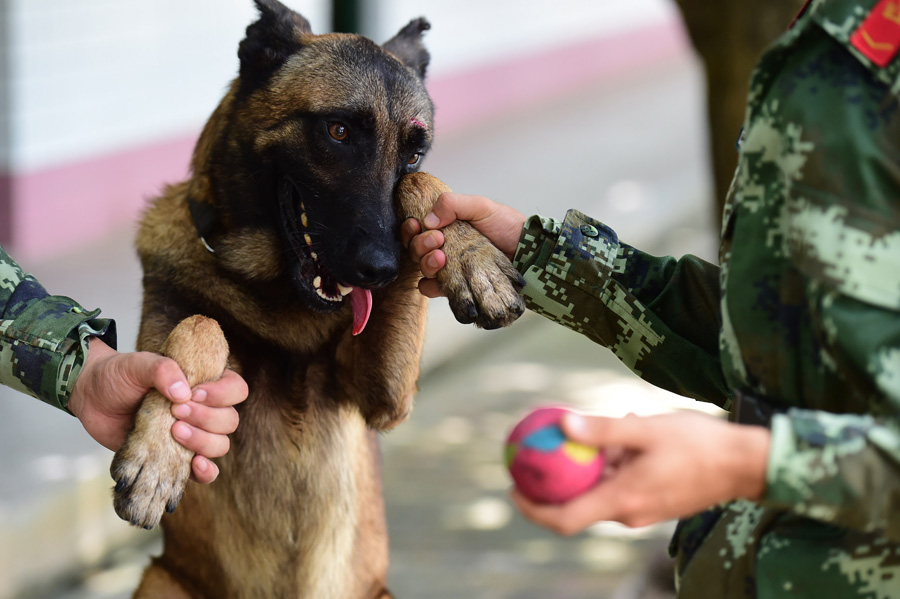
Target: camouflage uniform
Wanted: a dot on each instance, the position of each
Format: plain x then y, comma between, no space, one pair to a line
803,312
43,338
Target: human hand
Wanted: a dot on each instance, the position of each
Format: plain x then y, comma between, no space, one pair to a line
501,224
111,386
667,466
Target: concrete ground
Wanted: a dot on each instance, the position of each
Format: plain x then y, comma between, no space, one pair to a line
630,151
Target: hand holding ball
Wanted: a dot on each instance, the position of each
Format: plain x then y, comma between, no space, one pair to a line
545,465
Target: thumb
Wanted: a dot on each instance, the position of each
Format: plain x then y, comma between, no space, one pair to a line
150,370
456,206
599,431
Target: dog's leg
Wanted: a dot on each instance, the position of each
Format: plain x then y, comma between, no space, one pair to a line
478,279
151,469
481,286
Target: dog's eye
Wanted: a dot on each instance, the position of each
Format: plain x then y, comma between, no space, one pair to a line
414,159
338,131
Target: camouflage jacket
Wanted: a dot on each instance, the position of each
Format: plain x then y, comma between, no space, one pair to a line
804,311
43,338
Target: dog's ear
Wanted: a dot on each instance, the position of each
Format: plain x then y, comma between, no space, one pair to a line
408,48
270,40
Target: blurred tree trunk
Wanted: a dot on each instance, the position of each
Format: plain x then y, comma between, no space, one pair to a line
730,36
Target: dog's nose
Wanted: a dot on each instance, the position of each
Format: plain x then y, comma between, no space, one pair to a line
376,267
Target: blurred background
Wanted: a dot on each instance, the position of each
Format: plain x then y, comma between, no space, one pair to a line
624,109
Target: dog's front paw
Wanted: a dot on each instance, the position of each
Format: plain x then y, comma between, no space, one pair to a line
479,281
151,469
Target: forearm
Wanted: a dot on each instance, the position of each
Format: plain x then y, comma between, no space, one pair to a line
43,338
658,315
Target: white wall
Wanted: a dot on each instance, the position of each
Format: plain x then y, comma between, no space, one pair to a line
92,76
468,32
89,77
4,93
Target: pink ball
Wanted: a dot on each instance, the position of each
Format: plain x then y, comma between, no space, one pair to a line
545,466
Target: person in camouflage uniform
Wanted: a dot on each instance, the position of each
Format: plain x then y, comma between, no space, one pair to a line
796,333
55,350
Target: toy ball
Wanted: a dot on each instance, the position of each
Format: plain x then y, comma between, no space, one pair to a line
547,467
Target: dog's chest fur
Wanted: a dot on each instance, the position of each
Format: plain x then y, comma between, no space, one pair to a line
298,499
293,530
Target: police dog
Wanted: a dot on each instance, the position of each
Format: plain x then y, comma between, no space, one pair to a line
285,239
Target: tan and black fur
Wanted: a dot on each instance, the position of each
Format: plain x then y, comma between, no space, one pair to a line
281,196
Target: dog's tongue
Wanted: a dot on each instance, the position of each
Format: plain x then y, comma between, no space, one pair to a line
361,302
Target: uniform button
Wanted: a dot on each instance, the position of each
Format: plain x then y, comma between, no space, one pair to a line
589,231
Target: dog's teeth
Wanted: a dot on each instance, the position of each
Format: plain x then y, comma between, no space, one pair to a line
307,239
325,296
304,220
345,290
315,256
317,282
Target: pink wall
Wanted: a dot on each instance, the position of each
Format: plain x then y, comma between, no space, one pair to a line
45,212
5,208
55,208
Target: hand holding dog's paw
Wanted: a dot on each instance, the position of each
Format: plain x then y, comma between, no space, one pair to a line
478,279
152,469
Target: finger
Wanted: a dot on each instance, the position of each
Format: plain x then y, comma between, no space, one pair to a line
423,244
432,263
409,229
152,371
430,288
456,206
561,519
598,431
203,471
231,389
571,517
219,421
199,441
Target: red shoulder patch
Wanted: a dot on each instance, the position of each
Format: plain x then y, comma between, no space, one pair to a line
878,37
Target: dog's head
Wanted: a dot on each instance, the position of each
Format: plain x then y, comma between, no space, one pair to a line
310,144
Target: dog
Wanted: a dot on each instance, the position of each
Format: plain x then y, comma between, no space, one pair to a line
279,257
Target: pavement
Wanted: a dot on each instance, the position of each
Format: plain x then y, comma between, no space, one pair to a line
631,151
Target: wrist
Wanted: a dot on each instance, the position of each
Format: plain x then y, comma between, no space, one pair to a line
513,234
752,445
98,351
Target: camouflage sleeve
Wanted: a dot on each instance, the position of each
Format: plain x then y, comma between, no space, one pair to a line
839,468
658,315
43,338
